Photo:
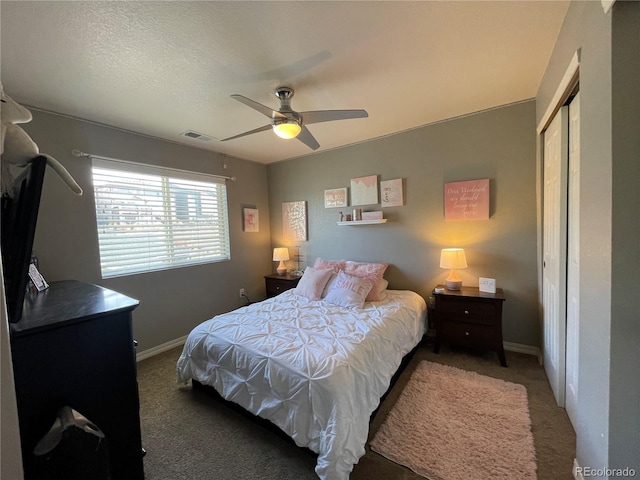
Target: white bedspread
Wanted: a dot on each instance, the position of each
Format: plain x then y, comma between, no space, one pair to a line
314,369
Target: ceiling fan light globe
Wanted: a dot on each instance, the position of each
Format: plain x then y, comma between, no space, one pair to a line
287,130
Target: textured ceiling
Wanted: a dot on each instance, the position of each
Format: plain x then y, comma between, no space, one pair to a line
162,68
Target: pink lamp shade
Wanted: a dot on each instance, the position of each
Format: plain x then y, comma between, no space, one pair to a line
280,254
453,258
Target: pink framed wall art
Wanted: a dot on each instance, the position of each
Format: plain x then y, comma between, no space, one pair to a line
467,200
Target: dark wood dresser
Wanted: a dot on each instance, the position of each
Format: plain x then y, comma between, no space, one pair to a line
276,284
74,347
469,317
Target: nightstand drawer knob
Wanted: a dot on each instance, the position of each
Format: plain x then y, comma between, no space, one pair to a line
277,287
466,312
466,333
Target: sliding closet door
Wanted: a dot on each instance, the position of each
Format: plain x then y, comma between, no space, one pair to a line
573,261
554,241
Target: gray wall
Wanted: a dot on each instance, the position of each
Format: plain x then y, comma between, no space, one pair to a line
608,425
171,301
498,144
624,445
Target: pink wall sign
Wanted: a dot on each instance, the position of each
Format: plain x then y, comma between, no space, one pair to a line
466,200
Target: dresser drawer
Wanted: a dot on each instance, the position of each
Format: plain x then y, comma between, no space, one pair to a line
468,311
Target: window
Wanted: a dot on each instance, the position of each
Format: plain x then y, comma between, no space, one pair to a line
152,218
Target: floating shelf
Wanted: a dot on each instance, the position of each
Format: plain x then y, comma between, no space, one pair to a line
364,222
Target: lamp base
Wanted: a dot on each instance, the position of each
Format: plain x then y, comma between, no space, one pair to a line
282,269
453,285
453,281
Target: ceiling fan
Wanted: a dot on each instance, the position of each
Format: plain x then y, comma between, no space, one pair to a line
287,123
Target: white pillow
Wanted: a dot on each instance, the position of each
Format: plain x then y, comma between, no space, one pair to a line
381,290
312,283
349,291
327,287
370,271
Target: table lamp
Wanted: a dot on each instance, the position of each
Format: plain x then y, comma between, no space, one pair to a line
281,254
453,258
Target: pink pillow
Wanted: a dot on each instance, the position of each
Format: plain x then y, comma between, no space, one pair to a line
349,291
312,283
334,265
372,272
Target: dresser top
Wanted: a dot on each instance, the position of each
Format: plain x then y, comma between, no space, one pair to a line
66,302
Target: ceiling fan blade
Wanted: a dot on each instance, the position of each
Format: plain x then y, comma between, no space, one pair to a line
318,116
269,112
309,140
256,130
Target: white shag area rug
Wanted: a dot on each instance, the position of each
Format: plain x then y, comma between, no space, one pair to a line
451,424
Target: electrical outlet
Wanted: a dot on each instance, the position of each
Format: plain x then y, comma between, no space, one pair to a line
242,293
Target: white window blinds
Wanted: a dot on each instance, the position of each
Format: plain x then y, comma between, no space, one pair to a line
151,218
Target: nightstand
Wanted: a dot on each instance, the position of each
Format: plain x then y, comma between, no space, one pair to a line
470,317
276,284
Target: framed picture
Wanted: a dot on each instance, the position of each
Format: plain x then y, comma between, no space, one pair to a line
487,285
364,190
336,197
251,220
36,277
294,221
391,193
466,200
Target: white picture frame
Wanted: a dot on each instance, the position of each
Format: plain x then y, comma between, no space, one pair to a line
251,220
294,221
487,285
391,193
364,190
36,277
335,197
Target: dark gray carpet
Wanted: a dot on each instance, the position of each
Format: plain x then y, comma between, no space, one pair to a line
191,436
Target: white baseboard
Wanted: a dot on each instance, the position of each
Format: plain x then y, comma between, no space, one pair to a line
526,349
577,471
160,348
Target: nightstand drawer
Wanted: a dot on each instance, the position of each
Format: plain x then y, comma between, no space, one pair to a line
276,287
276,284
469,311
467,333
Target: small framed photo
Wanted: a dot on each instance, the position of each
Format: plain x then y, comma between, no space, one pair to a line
36,277
251,220
487,285
335,197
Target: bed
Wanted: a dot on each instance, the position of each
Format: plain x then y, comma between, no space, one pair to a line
314,368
